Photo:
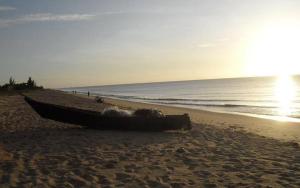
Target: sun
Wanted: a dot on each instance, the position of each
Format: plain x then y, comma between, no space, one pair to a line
275,50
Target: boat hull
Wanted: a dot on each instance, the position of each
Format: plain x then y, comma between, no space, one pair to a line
95,120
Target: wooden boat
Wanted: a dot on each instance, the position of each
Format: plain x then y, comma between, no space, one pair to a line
96,120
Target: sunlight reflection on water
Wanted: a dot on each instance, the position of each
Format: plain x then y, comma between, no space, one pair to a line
285,93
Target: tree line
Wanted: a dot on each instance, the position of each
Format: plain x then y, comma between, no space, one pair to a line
12,85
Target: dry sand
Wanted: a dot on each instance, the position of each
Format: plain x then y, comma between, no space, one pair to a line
36,152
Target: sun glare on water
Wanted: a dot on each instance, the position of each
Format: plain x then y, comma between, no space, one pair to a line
285,93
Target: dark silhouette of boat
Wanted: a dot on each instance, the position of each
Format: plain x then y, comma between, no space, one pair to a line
95,120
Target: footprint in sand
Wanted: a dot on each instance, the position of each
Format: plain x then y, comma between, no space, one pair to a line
4,155
104,181
110,164
123,177
131,168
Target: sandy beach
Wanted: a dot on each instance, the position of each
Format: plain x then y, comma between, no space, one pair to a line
221,150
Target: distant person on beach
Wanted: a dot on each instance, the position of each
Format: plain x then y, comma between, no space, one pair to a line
88,94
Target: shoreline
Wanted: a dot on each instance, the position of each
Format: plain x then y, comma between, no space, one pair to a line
280,130
261,116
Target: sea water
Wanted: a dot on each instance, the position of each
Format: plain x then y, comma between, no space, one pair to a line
271,97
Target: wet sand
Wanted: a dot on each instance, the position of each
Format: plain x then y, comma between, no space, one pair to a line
285,131
37,152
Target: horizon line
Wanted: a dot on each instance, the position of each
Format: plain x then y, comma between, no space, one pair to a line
157,82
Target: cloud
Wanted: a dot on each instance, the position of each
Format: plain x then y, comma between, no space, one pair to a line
48,17
223,39
206,45
6,8
45,17
113,13
54,17
217,42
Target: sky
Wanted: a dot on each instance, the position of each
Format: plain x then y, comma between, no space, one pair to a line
67,43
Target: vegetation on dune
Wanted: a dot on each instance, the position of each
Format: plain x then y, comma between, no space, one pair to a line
12,85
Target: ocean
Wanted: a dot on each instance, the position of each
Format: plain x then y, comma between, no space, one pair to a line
267,97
